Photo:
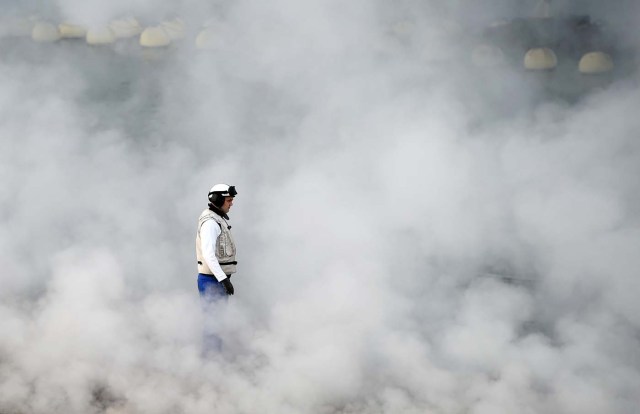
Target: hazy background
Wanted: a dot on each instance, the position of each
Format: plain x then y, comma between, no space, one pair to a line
415,235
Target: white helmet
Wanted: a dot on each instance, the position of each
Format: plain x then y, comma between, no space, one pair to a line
219,191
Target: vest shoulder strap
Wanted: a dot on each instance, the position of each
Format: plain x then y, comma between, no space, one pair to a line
208,217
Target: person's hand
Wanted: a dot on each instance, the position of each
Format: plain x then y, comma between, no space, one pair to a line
228,287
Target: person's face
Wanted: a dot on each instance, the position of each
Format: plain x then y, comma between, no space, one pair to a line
226,206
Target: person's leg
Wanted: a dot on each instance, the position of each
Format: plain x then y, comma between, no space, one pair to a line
211,291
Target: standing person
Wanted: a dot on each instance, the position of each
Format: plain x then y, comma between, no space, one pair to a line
216,254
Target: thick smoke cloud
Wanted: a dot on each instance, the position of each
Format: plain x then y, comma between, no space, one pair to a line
415,234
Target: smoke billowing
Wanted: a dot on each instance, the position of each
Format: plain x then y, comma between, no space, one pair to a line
415,234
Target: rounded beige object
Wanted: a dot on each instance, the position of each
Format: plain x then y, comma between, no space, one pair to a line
594,63
541,58
100,36
486,56
174,28
208,39
154,36
71,31
125,28
43,32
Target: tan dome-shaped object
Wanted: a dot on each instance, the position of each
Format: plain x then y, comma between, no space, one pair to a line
44,32
487,56
154,36
208,39
125,28
594,63
541,58
100,36
71,31
174,28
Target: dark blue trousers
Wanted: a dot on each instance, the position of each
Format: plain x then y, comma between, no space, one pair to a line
210,289
211,293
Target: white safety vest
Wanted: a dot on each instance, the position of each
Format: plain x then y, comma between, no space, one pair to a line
225,246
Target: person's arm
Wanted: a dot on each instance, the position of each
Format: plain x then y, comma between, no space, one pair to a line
209,233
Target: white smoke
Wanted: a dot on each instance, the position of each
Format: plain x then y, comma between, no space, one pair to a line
409,239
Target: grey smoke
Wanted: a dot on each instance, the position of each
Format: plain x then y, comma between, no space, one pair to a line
408,241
